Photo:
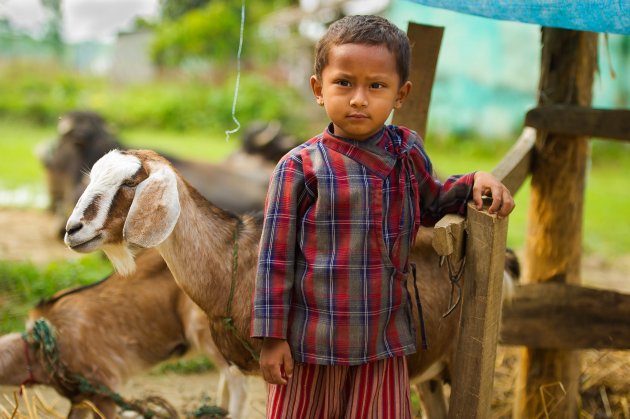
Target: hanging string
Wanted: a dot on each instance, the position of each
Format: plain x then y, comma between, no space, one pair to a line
238,75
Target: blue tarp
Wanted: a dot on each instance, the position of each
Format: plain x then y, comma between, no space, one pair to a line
610,16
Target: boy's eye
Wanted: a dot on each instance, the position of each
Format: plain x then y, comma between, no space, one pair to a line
344,83
376,86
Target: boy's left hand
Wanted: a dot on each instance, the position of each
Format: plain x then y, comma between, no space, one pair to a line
502,201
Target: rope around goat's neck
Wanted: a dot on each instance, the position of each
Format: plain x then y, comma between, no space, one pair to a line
228,321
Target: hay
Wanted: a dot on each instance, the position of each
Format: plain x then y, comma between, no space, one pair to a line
28,404
604,385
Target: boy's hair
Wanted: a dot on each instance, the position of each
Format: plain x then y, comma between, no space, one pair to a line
367,30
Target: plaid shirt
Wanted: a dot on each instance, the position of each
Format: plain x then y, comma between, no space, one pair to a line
340,218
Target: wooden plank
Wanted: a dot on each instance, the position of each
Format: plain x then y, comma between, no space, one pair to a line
425,48
471,393
564,316
448,236
515,166
612,124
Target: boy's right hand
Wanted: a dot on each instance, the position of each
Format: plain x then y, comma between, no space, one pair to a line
276,362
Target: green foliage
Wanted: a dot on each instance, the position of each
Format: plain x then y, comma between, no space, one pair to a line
190,105
208,32
175,9
54,26
41,93
23,284
193,365
211,33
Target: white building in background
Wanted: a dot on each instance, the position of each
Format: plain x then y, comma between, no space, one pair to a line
131,60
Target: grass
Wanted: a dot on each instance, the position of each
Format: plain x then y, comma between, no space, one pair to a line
23,284
17,144
21,168
606,228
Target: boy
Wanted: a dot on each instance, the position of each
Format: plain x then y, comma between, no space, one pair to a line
341,214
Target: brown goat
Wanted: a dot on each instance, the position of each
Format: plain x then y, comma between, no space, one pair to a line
136,199
111,330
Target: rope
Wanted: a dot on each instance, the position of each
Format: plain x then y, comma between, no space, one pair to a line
454,276
42,339
238,75
228,321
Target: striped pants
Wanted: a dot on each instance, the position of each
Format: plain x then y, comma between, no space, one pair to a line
378,390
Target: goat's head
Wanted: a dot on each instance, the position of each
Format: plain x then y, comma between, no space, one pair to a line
130,202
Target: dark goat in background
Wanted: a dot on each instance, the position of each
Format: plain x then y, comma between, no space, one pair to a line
238,184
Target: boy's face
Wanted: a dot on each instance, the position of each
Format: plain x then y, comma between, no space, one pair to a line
359,88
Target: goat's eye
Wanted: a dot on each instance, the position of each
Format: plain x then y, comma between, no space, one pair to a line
129,183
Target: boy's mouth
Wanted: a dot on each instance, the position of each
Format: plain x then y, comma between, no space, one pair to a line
358,116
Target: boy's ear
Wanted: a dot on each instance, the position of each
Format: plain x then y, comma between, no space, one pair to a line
403,92
316,86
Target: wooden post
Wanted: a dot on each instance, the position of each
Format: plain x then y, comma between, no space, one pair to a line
549,379
425,48
473,376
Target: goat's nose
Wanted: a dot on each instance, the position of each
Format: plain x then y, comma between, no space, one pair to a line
73,228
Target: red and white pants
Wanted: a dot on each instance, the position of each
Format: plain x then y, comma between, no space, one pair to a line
378,390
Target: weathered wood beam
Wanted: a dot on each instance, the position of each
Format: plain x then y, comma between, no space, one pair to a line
425,48
481,311
565,316
556,206
515,166
612,124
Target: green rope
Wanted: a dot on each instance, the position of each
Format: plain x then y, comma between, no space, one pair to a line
42,339
234,272
228,321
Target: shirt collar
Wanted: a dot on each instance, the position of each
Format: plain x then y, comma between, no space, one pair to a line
377,153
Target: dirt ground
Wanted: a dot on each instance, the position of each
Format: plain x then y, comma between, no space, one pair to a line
186,392
27,235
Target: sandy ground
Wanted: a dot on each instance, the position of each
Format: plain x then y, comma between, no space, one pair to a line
185,392
26,235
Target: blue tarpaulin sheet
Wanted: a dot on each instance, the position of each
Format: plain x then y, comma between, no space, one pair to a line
609,16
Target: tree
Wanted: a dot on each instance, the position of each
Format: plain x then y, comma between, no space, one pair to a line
53,33
174,9
211,33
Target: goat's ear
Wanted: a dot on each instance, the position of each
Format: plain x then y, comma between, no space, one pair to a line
154,210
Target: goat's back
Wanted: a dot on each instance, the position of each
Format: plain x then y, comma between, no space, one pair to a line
119,326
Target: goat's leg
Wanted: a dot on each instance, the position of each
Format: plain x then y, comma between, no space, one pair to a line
432,399
236,383
223,392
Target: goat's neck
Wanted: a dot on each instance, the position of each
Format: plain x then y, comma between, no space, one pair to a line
16,367
199,251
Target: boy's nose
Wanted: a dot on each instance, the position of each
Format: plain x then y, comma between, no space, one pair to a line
359,100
